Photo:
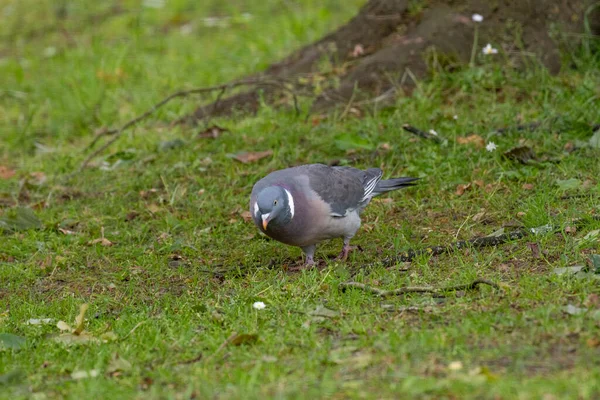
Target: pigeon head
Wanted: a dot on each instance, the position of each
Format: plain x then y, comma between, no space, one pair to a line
274,206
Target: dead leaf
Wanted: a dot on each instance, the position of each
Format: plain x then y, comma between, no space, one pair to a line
80,320
521,154
593,342
535,249
117,364
246,215
248,157
144,194
75,335
76,375
462,188
527,186
479,216
131,215
38,178
593,300
66,231
243,338
212,132
63,326
39,321
569,147
6,173
322,311
102,241
571,230
153,208
477,140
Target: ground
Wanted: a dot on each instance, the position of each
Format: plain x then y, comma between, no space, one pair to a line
154,238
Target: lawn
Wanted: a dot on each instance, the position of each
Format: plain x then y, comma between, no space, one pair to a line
153,236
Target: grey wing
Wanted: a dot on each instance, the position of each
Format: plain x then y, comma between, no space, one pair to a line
343,188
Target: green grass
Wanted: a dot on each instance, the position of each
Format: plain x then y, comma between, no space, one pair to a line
182,275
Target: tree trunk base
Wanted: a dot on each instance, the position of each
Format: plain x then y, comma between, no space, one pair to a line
391,43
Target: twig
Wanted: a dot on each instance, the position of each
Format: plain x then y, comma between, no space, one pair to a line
133,329
182,93
486,241
521,127
417,289
223,345
422,134
532,126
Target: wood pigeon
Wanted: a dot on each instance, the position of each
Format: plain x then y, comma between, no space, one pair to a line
304,205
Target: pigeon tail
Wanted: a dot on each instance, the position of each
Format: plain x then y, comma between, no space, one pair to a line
388,185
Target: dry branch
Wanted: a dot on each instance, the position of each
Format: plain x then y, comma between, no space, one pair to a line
116,133
417,289
486,241
422,134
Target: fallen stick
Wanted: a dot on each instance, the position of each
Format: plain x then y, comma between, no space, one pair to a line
117,132
486,241
422,134
416,289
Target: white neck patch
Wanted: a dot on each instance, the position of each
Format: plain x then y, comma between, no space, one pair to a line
256,210
290,202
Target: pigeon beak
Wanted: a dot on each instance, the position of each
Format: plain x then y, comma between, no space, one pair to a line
265,220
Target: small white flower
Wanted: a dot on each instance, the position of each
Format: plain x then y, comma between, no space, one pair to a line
49,51
477,17
186,29
455,366
491,146
434,133
488,49
455,117
259,305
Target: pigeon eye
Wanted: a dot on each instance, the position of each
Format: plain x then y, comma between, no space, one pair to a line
275,203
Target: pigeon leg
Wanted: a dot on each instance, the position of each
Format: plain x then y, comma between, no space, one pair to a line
345,250
309,251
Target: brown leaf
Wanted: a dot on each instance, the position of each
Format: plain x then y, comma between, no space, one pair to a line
243,338
38,178
535,249
248,157
527,186
102,241
212,132
153,208
477,140
144,194
66,231
521,154
569,147
479,216
131,215
592,301
593,342
6,173
246,215
570,229
462,188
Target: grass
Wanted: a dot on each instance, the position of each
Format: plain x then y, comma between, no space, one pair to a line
174,215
